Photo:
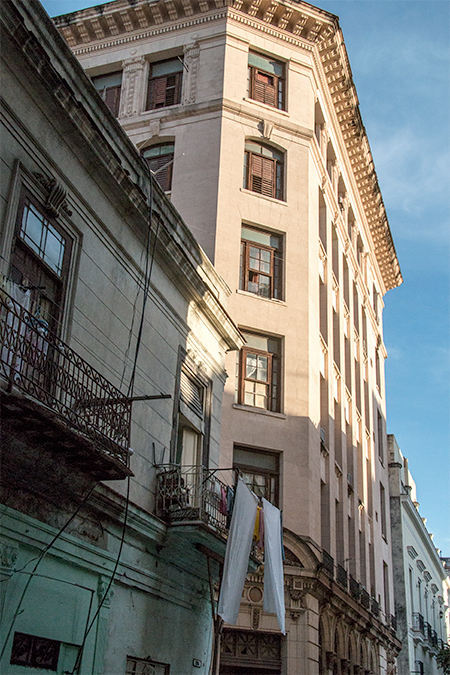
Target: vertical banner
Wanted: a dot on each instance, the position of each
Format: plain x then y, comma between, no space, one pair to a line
237,552
273,564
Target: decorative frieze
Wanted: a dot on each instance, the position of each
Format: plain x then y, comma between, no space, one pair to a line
191,60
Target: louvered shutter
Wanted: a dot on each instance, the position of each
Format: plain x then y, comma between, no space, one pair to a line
262,175
164,177
263,91
191,394
112,99
157,93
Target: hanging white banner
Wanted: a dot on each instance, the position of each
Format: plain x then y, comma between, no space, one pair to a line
273,564
237,553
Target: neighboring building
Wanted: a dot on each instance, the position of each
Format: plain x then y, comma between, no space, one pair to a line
94,577
421,582
248,115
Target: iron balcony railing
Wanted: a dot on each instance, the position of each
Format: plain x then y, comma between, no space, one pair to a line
418,623
36,362
328,563
374,607
355,588
365,598
341,576
192,493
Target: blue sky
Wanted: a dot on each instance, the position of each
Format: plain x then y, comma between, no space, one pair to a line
399,54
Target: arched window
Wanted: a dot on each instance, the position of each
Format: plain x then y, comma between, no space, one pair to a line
160,160
263,170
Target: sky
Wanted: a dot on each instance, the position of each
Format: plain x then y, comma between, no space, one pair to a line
399,52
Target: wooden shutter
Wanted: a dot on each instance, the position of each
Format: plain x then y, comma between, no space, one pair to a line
262,175
112,99
164,177
192,394
264,87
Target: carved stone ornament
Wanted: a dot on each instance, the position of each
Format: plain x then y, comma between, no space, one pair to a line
131,86
256,615
102,588
345,666
267,128
330,659
324,181
191,60
56,197
8,556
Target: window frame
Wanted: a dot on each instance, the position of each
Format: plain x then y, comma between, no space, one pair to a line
271,170
255,470
166,176
151,104
40,266
260,91
276,258
186,415
273,401
110,95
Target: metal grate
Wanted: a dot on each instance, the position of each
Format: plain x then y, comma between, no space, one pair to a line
35,361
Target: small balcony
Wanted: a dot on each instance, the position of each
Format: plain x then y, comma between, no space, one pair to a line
394,622
52,398
189,495
418,625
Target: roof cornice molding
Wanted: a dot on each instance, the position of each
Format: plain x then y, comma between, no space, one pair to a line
296,23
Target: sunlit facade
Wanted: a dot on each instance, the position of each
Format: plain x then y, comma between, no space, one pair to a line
252,108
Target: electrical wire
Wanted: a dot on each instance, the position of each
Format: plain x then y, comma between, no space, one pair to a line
150,256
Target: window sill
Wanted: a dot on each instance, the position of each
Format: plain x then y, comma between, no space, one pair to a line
272,108
259,297
282,202
258,411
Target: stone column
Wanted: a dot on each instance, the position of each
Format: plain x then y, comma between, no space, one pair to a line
133,87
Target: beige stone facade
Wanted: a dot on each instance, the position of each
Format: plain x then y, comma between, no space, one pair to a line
258,139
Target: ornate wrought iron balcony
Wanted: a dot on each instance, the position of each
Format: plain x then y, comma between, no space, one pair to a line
52,389
188,494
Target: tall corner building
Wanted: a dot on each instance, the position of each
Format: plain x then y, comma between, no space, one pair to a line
248,115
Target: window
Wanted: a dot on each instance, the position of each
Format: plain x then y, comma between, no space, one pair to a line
261,263
190,440
40,260
260,470
383,510
146,667
160,160
164,85
263,170
259,372
266,80
109,86
34,652
380,436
